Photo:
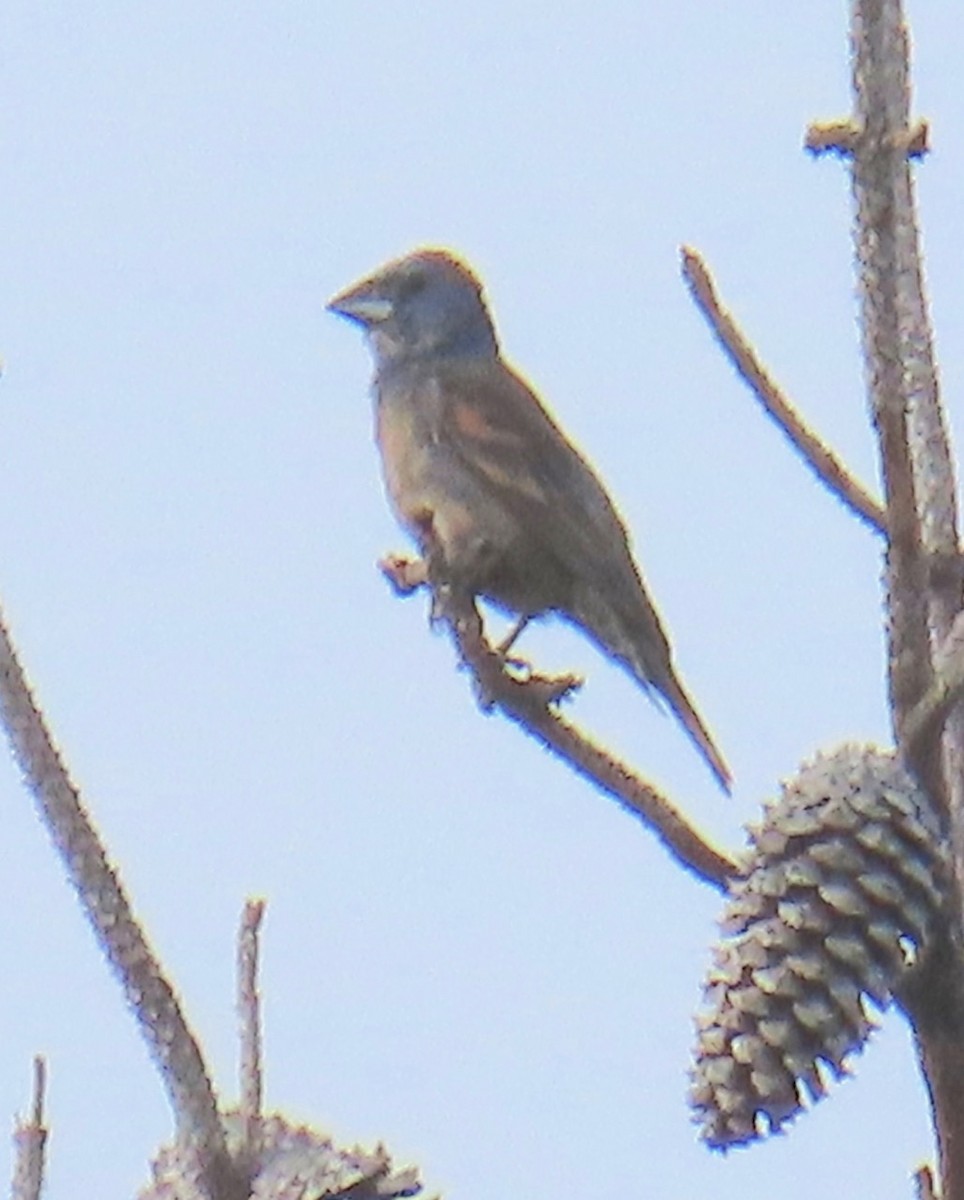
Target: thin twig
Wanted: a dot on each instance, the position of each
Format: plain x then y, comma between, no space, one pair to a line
529,704
30,1142
924,1184
819,457
249,1017
150,996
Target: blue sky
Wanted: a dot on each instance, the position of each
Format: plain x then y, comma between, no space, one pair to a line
468,953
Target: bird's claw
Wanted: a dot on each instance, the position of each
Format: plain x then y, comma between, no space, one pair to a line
550,689
544,690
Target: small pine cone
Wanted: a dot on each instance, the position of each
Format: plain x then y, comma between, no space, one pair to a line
840,890
292,1163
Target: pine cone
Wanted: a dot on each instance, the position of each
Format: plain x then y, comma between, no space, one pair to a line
294,1163
841,888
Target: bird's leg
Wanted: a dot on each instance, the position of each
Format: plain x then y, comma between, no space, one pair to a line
512,637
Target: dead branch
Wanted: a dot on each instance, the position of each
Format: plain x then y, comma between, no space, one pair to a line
926,719
884,204
30,1142
816,454
249,1016
528,703
171,1044
921,517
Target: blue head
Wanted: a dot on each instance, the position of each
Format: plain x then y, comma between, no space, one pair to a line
427,304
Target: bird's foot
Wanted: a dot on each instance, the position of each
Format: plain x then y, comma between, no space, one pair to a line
544,691
548,689
551,689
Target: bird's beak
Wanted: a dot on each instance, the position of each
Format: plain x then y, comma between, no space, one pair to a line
362,304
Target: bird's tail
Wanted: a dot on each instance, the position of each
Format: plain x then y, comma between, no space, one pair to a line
641,647
685,710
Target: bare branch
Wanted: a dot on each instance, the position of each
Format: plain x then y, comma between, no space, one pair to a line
926,719
924,1184
820,458
935,485
884,204
249,1015
921,514
529,704
163,1025
30,1142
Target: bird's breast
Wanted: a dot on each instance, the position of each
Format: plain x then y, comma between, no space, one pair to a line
407,439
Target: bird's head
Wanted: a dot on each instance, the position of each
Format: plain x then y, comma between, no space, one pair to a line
425,304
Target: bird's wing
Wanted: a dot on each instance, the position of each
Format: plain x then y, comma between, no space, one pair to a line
495,424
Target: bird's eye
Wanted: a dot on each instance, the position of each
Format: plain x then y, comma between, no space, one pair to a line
412,284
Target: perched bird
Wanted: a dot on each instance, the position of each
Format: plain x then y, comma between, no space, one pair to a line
501,504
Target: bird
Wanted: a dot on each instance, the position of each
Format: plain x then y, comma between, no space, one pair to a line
500,502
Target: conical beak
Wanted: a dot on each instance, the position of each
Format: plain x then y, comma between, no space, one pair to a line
362,304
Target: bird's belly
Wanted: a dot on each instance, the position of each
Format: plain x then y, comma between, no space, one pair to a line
406,461
458,521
